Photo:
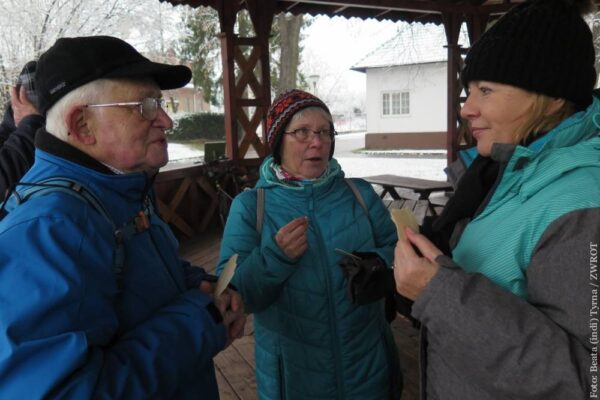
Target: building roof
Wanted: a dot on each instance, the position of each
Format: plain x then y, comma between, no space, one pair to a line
413,44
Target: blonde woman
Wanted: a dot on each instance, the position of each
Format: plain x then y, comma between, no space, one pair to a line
511,314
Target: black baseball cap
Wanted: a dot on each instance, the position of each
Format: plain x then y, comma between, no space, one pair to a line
73,62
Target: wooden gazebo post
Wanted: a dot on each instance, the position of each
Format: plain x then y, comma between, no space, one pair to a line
246,95
458,135
452,22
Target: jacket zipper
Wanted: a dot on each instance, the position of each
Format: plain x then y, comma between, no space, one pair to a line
333,327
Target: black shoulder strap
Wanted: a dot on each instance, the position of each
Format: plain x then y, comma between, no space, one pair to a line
74,188
58,184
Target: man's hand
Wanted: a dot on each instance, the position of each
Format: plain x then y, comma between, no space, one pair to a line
412,272
21,105
292,239
231,307
207,287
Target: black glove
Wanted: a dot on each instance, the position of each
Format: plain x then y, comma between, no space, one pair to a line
369,279
403,306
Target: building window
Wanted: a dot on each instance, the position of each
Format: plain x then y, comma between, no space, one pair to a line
395,103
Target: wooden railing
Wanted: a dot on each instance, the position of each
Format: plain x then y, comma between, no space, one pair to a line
191,197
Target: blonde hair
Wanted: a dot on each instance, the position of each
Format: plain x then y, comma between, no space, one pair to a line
538,122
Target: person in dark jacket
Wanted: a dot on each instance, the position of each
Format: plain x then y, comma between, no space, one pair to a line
313,339
17,130
513,313
95,300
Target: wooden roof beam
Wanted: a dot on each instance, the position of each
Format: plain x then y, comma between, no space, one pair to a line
303,8
290,7
418,6
405,5
356,12
339,10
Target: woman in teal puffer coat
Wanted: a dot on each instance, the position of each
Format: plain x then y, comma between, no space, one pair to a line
312,342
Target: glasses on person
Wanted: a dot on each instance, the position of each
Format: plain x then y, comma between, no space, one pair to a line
148,107
305,134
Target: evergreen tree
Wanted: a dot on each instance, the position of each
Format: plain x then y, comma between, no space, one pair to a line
201,48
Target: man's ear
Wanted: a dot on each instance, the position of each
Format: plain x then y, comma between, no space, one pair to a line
79,130
554,106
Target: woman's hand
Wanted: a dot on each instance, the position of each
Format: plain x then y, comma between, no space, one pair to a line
292,239
411,271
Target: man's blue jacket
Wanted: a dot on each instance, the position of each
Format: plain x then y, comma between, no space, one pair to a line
66,330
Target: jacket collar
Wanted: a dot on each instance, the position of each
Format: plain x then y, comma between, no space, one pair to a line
53,145
138,184
569,146
269,179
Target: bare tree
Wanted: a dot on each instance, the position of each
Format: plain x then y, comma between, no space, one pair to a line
29,27
595,24
289,57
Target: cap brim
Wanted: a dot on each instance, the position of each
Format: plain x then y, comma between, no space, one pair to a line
165,75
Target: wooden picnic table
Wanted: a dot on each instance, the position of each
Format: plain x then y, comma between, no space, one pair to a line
421,187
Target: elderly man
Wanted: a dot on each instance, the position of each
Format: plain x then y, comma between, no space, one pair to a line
94,300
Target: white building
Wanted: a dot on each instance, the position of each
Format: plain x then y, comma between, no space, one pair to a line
406,103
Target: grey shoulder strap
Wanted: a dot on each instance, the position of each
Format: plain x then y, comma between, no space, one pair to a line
260,208
357,194
260,203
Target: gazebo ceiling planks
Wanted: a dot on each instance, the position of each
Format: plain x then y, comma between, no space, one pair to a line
395,10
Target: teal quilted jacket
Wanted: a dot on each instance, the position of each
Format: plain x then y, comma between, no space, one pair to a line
311,341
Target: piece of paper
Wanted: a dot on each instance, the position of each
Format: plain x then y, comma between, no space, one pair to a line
403,218
226,275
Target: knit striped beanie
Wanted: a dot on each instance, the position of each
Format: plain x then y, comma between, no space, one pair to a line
281,112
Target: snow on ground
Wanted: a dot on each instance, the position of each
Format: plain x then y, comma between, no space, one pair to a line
181,152
413,163
425,168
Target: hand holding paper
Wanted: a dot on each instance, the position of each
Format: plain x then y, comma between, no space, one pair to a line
226,275
404,218
229,302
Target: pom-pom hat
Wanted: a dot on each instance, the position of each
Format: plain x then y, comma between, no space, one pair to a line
281,112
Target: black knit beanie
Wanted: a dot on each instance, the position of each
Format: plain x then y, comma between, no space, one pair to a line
543,46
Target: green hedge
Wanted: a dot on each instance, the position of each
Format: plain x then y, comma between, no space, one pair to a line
209,126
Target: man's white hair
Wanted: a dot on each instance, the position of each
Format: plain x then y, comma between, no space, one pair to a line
89,93
94,92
